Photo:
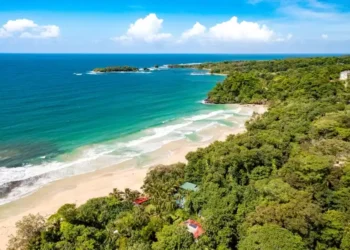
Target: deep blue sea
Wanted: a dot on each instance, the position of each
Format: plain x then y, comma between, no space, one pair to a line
56,114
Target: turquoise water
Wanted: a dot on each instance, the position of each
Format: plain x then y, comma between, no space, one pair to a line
56,114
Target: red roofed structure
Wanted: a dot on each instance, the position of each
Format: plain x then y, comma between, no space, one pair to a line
195,228
140,200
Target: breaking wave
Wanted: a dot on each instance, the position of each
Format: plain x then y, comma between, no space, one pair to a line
21,181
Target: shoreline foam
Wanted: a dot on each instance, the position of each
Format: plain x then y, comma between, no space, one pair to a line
130,173
19,182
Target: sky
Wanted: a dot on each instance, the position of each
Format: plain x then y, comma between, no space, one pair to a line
181,26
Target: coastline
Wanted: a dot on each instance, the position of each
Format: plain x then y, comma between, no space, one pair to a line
78,189
215,74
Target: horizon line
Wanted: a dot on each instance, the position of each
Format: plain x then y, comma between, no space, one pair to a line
131,53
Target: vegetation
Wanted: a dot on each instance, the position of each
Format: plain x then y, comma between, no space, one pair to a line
116,69
284,184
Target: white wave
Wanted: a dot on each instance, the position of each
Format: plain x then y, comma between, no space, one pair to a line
93,157
85,160
200,74
30,171
93,73
204,102
123,150
223,117
164,67
157,133
204,116
77,74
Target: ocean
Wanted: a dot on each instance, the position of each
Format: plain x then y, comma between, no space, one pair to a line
57,116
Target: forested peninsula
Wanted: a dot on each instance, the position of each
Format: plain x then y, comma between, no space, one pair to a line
284,184
116,69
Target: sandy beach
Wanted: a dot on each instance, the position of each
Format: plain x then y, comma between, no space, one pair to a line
129,174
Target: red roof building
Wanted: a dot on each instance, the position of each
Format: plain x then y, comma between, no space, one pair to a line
195,228
140,200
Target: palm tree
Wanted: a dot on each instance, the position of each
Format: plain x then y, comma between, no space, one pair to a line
131,195
118,194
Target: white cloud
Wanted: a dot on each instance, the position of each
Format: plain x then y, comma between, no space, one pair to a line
324,36
50,31
232,30
47,31
197,30
145,29
18,25
26,28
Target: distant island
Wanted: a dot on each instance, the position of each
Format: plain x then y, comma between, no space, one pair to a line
116,69
126,68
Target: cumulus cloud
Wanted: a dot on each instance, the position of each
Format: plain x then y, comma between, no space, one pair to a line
232,30
145,29
26,28
18,25
148,29
324,36
197,30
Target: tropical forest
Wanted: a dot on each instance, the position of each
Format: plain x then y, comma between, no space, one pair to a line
284,184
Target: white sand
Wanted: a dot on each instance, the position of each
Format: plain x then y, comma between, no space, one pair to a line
79,189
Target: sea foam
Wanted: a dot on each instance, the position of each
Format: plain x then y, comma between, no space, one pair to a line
21,181
204,116
200,74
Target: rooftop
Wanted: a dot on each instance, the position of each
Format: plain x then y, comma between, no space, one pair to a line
194,228
189,186
140,200
344,75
